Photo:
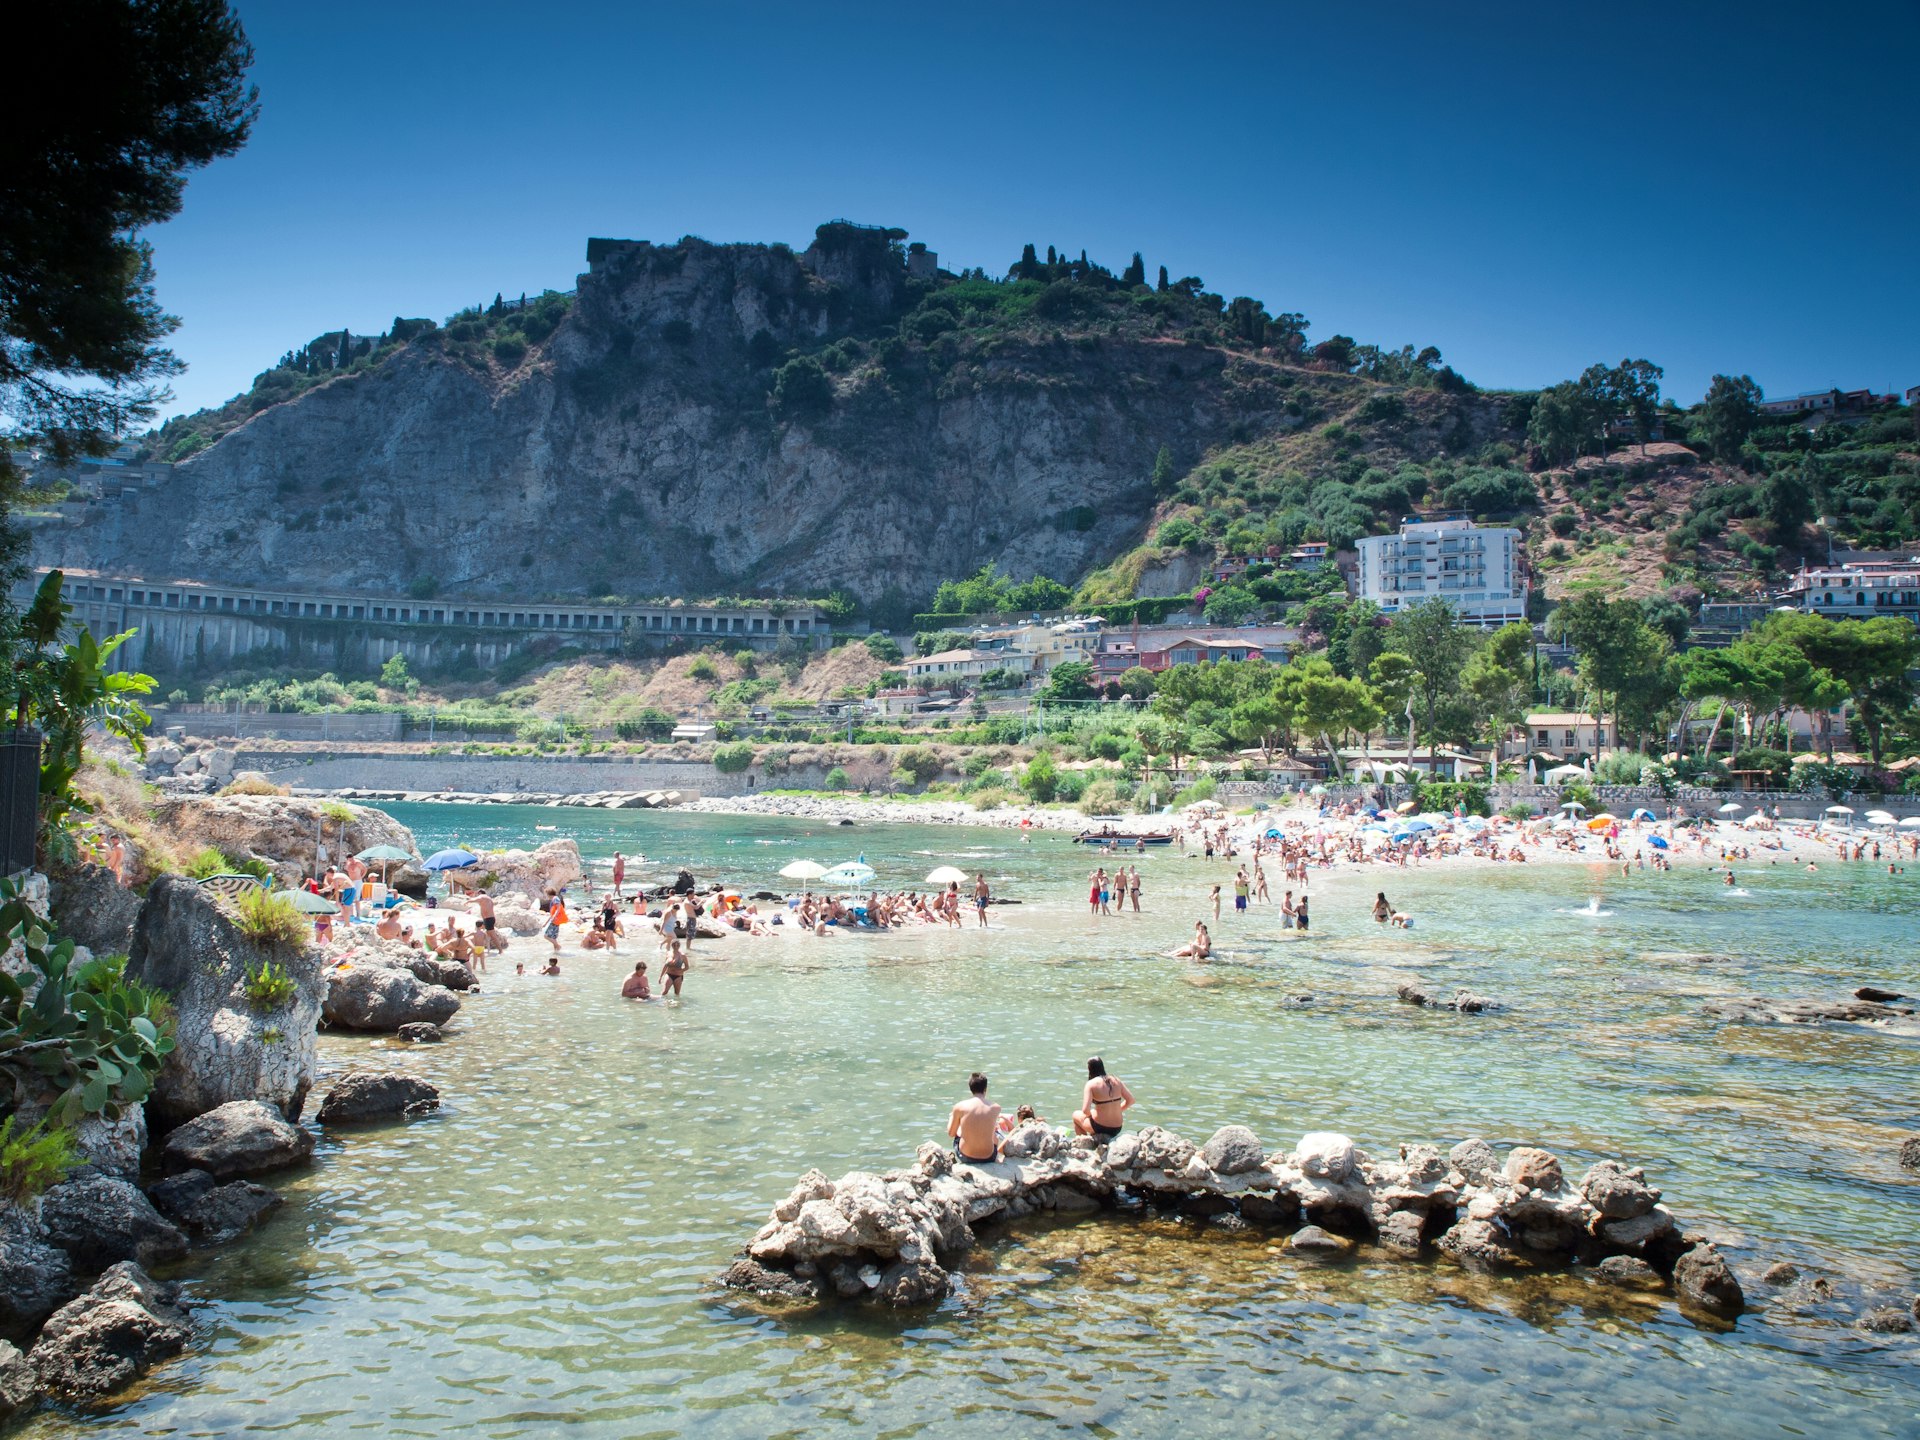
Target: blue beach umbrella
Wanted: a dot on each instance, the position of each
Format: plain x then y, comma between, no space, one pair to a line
450,860
1657,842
853,874
1641,814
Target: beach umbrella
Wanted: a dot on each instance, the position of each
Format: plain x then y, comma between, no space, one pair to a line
1413,827
450,860
946,875
308,903
1732,807
1643,814
1910,823
1600,821
853,874
1318,790
1839,810
384,854
1658,842
1565,772
1879,817
803,870
1574,805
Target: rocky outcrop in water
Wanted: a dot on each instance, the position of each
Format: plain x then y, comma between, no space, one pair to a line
295,836
894,1237
242,1137
1893,1019
362,1096
101,1220
227,1046
103,1340
527,874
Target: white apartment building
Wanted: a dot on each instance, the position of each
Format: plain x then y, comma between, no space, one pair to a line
1477,570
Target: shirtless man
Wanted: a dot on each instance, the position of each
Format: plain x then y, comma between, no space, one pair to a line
389,927
1103,1103
619,874
974,1125
485,932
636,987
980,897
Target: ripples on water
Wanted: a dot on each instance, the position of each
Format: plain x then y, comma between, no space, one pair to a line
538,1255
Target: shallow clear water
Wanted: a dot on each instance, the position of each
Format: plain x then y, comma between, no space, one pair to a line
539,1254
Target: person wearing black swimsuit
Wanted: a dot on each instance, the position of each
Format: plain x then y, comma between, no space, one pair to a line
1103,1104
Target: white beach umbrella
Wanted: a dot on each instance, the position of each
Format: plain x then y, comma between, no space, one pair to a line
1839,810
1732,807
803,870
946,875
1879,817
1912,822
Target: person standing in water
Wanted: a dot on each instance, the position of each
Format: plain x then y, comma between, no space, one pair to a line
1103,1103
619,874
1300,914
981,894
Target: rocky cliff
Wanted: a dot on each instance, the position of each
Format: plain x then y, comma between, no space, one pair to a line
655,443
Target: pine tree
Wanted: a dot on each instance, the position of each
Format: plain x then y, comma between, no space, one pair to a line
1052,258
1029,265
1163,279
345,357
498,305
1135,273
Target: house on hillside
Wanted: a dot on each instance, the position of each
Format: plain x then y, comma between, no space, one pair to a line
1562,734
1160,648
945,666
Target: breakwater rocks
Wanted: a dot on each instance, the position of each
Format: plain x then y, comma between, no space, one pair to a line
893,1238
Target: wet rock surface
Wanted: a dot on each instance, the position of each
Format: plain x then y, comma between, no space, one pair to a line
101,1220
36,1277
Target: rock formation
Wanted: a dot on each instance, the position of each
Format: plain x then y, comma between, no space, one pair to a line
117,1331
894,1237
294,836
363,1095
227,1047
242,1137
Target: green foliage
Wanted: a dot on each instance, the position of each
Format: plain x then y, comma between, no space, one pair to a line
838,779
269,919
1041,779
1231,604
703,668
65,689
34,1159
268,987
734,758
89,1041
1819,778
920,764
1444,795
1201,789
1070,680
987,591
802,389
885,649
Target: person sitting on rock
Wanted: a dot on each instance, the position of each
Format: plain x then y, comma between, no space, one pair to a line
1103,1103
974,1125
1007,1125
636,987
389,927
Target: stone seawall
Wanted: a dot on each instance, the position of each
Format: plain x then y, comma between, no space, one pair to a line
347,769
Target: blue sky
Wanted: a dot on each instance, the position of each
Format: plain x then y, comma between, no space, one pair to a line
1529,187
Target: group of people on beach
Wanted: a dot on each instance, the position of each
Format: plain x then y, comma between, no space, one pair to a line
978,1126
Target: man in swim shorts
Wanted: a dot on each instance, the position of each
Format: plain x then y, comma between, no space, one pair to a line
974,1125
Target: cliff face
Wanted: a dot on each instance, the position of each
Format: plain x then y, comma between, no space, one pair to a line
636,451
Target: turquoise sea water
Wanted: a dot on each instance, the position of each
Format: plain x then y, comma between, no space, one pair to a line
537,1257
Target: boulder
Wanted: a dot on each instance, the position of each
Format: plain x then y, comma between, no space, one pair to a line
1629,1272
91,908
520,919
750,1275
1781,1273
101,1220
1617,1192
524,874
295,835
903,1285
242,1137
1475,1159
1324,1155
1910,1152
1878,996
102,1341
1885,1320
419,1032
1535,1169
1150,1148
218,763
432,970
1318,1244
363,1095
36,1278
1702,1276
1280,1208
174,1196
1233,1150
410,880
1031,1141
226,1212
1401,1234
363,997
19,1386
226,1048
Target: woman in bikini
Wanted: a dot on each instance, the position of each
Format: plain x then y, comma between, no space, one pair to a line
1103,1104
673,972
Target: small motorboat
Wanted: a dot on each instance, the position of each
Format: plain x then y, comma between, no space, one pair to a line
1122,837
